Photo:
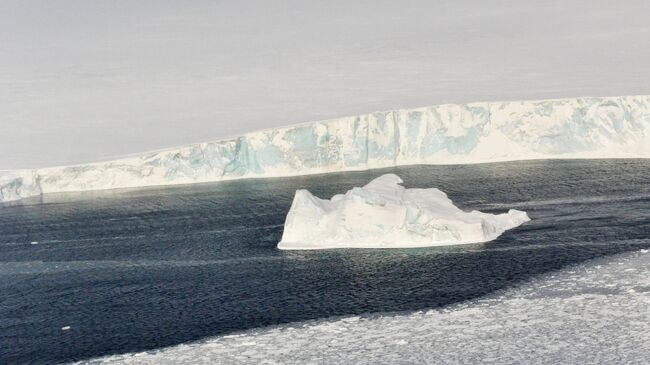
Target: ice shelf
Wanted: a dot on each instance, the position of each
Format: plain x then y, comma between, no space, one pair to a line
590,127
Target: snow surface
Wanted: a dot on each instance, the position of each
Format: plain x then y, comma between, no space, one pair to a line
385,214
595,312
84,81
444,134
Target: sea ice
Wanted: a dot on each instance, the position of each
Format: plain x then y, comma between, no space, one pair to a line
592,313
385,214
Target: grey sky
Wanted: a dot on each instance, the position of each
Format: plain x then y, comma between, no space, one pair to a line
88,80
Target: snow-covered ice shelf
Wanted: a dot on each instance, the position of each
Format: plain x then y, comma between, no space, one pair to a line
385,214
593,127
596,312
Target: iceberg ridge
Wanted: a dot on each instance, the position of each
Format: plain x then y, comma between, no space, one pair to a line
592,127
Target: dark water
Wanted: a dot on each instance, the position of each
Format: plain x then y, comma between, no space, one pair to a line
140,269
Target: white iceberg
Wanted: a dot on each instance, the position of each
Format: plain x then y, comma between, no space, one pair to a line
385,214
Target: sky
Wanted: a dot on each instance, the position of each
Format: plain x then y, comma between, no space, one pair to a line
84,81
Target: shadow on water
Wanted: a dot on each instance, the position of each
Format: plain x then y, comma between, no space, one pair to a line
137,269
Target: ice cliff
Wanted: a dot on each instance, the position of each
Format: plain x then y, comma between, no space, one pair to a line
605,127
385,214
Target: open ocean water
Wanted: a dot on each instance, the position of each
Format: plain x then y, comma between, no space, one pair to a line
90,274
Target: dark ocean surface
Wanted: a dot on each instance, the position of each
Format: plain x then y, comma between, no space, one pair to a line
132,270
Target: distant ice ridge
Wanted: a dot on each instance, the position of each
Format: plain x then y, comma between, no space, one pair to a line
592,127
385,214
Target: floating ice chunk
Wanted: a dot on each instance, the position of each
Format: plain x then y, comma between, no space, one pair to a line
385,214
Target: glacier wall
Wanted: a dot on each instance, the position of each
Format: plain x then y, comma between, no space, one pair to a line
591,127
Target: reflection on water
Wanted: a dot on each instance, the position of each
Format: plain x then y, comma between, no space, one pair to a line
136,269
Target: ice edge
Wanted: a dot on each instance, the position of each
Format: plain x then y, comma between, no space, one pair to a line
590,127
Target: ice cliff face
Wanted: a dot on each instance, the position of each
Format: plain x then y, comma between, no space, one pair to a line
445,134
384,214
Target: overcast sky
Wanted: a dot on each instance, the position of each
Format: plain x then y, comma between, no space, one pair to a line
89,80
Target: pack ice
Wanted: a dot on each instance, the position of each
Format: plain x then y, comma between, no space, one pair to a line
385,214
591,127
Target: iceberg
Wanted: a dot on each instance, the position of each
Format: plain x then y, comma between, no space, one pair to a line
591,127
384,214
